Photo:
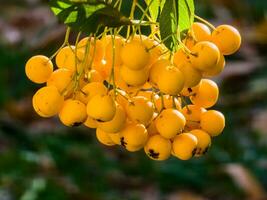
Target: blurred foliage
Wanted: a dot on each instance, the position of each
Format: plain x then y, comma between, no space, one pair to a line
41,160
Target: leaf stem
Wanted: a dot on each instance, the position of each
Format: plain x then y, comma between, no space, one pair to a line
205,22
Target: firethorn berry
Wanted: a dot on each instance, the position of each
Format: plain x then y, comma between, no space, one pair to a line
170,122
90,122
207,94
180,57
134,77
103,137
192,114
38,69
47,101
134,136
118,44
95,76
192,76
134,55
156,70
201,32
102,68
147,94
115,137
158,148
151,127
62,79
189,42
120,97
184,146
171,80
101,108
227,38
116,124
205,55
73,113
155,50
189,91
70,58
203,141
90,90
217,69
140,110
213,122
168,102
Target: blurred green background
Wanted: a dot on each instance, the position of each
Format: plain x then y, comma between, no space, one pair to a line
42,160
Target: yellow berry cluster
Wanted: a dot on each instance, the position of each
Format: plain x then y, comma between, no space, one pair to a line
135,92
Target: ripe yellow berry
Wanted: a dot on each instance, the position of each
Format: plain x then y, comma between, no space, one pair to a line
190,91
103,137
101,108
115,137
192,114
201,32
90,90
147,94
156,70
189,42
118,46
61,79
38,69
155,50
151,127
70,58
227,38
206,95
134,135
213,122
158,148
184,146
171,80
47,101
180,57
217,69
134,77
192,76
95,76
119,98
116,124
205,55
90,122
203,141
170,123
134,55
140,110
73,113
167,103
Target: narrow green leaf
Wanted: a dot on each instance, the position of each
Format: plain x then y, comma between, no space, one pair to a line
154,6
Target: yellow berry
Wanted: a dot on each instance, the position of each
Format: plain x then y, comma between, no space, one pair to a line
90,90
61,79
95,76
155,50
115,137
184,146
118,46
47,101
156,70
73,113
217,69
38,69
134,55
116,124
192,114
180,57
90,122
201,32
190,91
170,122
203,141
227,38
103,138
205,55
158,148
213,122
101,108
167,103
151,127
171,80
134,77
206,95
140,110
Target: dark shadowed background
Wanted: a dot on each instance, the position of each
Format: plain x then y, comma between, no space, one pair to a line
42,160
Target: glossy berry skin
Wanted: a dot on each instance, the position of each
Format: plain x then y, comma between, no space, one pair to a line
170,123
134,77
193,114
156,70
38,69
205,55
118,44
103,137
217,69
158,148
213,122
90,123
73,113
227,38
204,141
201,32
206,95
134,55
184,146
47,101
116,124
101,108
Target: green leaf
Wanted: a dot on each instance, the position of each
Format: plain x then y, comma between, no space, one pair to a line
154,6
88,15
176,18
